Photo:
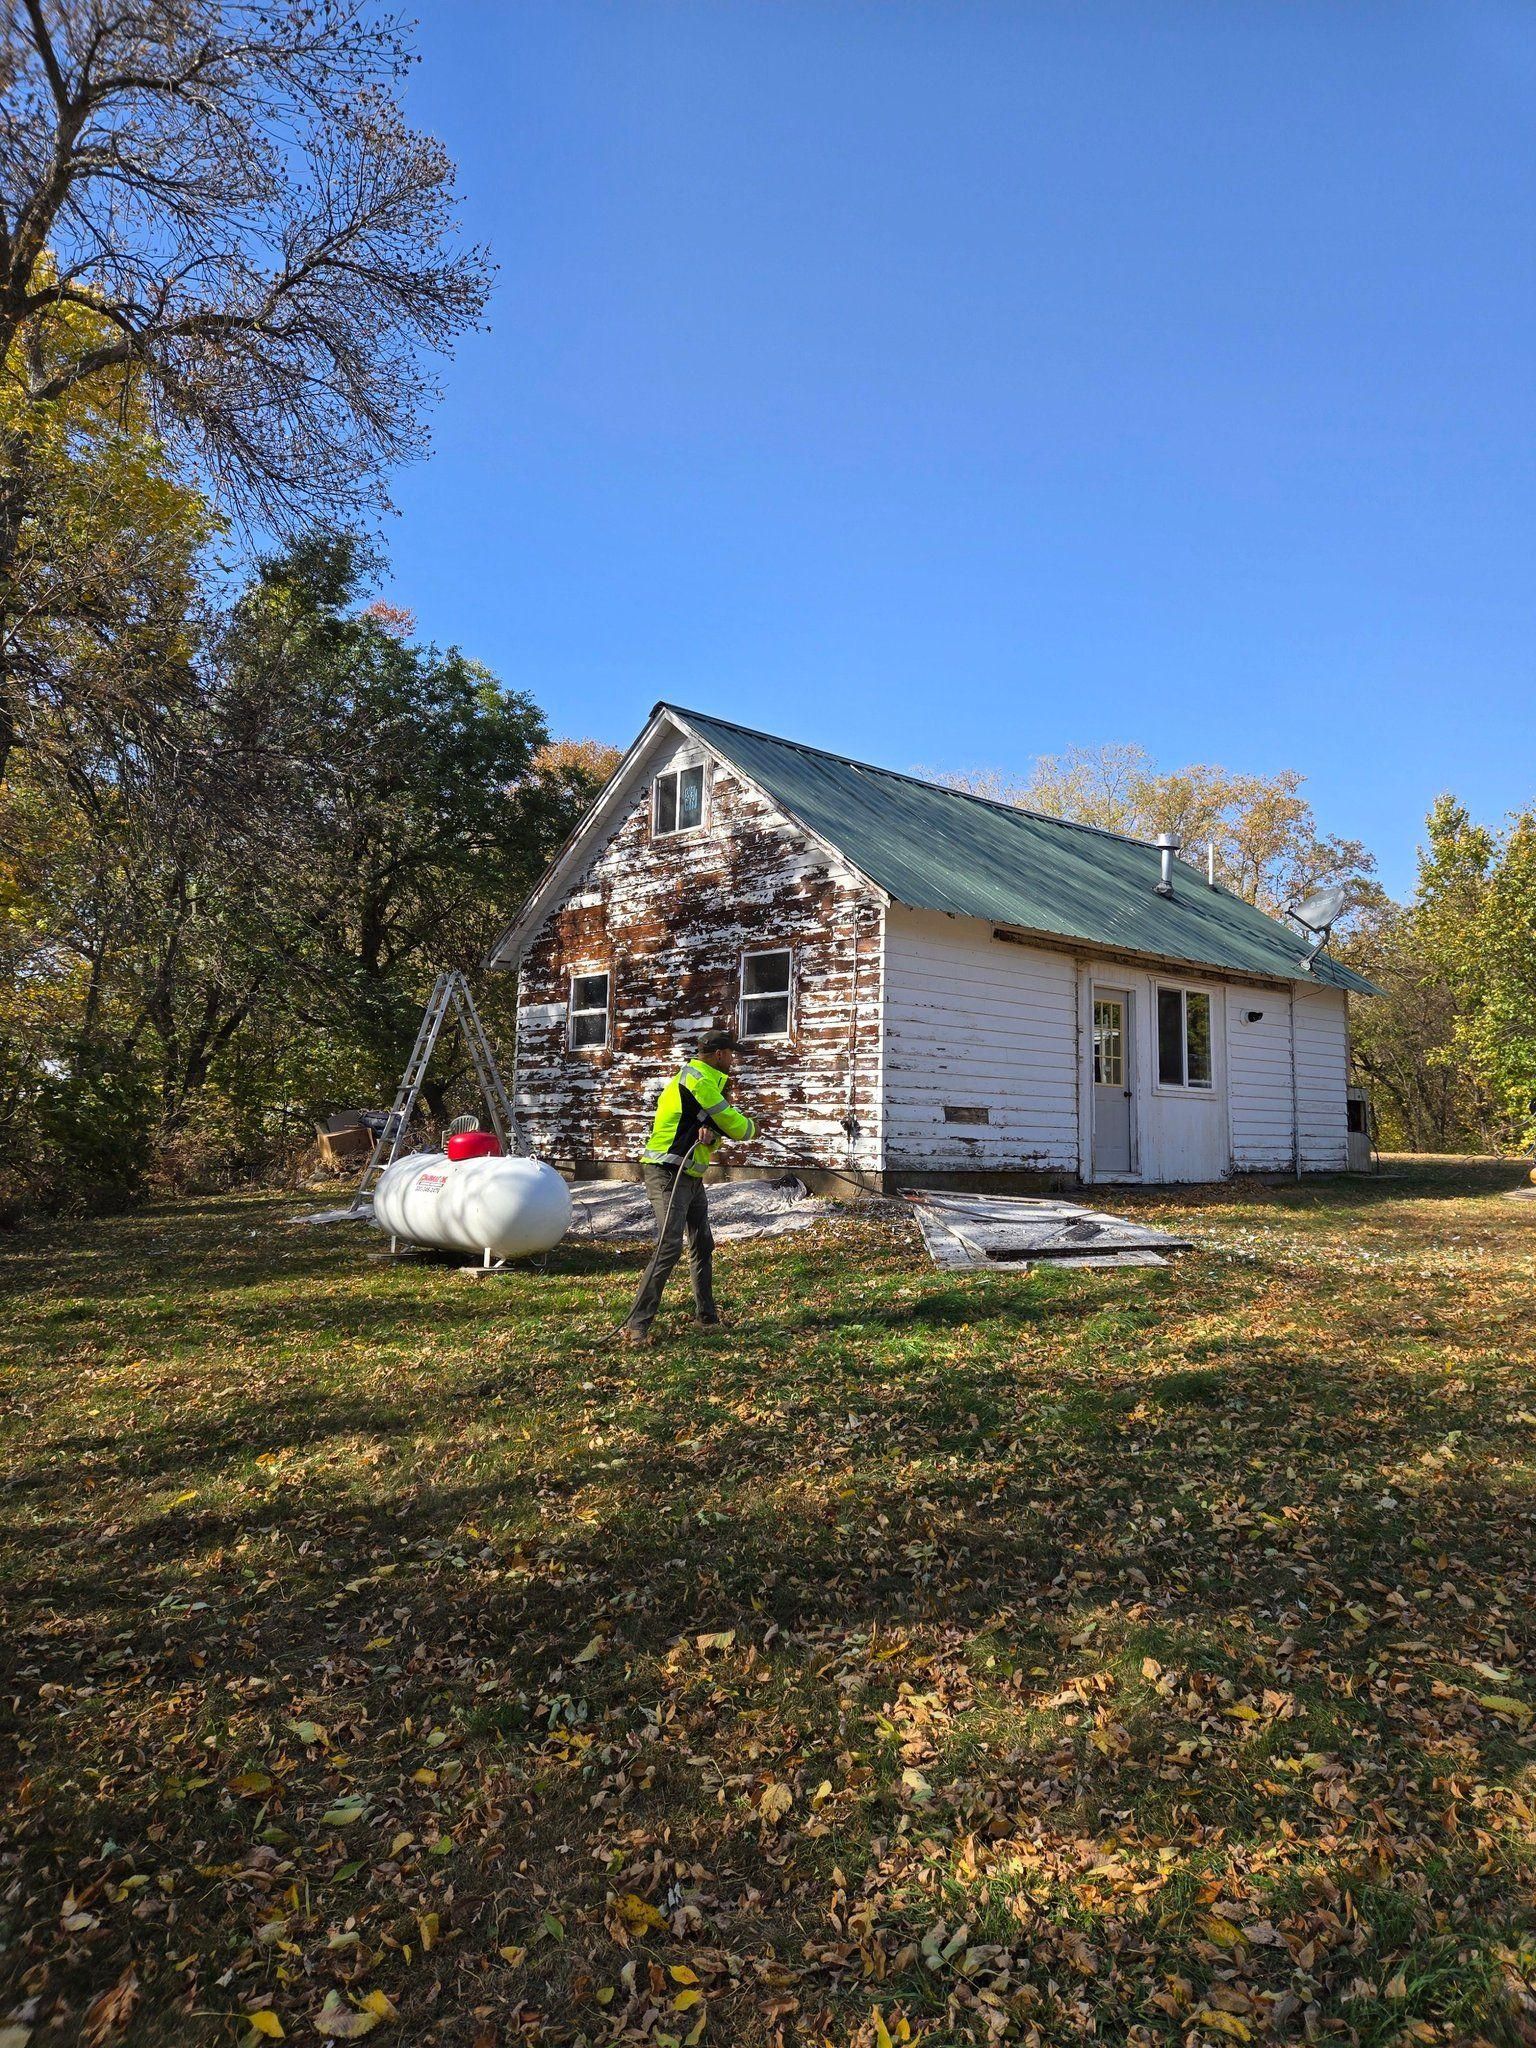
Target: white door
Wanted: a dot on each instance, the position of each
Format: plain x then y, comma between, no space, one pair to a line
1112,1081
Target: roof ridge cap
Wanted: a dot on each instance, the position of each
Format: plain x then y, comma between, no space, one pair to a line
903,775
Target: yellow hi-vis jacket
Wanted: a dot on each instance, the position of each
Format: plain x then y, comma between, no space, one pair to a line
693,1102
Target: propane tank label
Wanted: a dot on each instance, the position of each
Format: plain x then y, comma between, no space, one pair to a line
431,1181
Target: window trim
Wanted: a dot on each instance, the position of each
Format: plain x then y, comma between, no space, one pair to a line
1203,1091
674,773
765,995
573,975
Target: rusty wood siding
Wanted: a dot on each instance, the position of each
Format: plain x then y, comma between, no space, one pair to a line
669,919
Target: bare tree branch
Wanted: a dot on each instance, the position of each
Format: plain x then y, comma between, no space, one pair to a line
269,250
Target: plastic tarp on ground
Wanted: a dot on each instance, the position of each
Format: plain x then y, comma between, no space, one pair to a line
621,1209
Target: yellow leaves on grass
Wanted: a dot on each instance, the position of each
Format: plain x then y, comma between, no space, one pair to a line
1226,2023
250,1784
267,2022
342,2022
1219,1929
774,1802
1505,1707
638,1915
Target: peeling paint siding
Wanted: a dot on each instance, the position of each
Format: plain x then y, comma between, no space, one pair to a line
976,1022
1259,1063
1322,1077
669,919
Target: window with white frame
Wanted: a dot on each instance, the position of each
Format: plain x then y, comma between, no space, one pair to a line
1184,1055
766,986
677,801
588,1012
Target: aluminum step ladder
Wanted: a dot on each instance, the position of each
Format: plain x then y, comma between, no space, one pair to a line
450,997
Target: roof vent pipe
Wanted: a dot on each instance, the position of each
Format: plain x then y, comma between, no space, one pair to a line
1167,844
1210,863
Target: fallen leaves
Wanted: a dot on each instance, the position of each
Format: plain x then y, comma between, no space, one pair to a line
637,1915
1014,1672
1507,1708
774,1802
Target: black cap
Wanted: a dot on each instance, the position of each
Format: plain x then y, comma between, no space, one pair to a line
718,1041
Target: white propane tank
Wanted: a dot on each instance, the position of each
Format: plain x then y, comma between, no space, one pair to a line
509,1208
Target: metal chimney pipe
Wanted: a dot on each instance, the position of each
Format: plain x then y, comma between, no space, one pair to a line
1167,844
1210,863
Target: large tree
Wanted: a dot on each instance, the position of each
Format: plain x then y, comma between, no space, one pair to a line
189,968
98,608
394,801
215,208
1266,837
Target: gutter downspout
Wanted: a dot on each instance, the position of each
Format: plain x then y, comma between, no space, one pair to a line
851,1120
1295,1099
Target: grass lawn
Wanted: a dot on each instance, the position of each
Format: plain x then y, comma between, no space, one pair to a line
1125,1656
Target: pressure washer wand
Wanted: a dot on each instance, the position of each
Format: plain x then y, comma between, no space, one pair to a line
836,1173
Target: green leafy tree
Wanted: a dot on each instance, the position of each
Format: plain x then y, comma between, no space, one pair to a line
99,592
393,805
1269,847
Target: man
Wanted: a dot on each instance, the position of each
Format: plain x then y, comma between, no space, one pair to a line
691,1118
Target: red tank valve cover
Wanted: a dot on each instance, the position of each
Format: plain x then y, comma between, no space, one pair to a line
474,1145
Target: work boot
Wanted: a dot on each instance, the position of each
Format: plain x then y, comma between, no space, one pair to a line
629,1336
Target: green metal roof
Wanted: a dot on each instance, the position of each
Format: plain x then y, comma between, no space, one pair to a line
939,849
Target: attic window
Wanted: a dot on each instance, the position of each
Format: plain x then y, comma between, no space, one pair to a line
677,803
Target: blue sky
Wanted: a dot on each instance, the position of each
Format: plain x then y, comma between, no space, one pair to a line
947,383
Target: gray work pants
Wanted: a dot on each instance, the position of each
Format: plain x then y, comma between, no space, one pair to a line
687,1215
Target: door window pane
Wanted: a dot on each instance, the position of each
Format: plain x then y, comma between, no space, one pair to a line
1170,1037
1197,1008
1109,1044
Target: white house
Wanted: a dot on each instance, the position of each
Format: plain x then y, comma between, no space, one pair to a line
929,987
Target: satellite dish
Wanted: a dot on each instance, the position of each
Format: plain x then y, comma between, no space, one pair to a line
1320,911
